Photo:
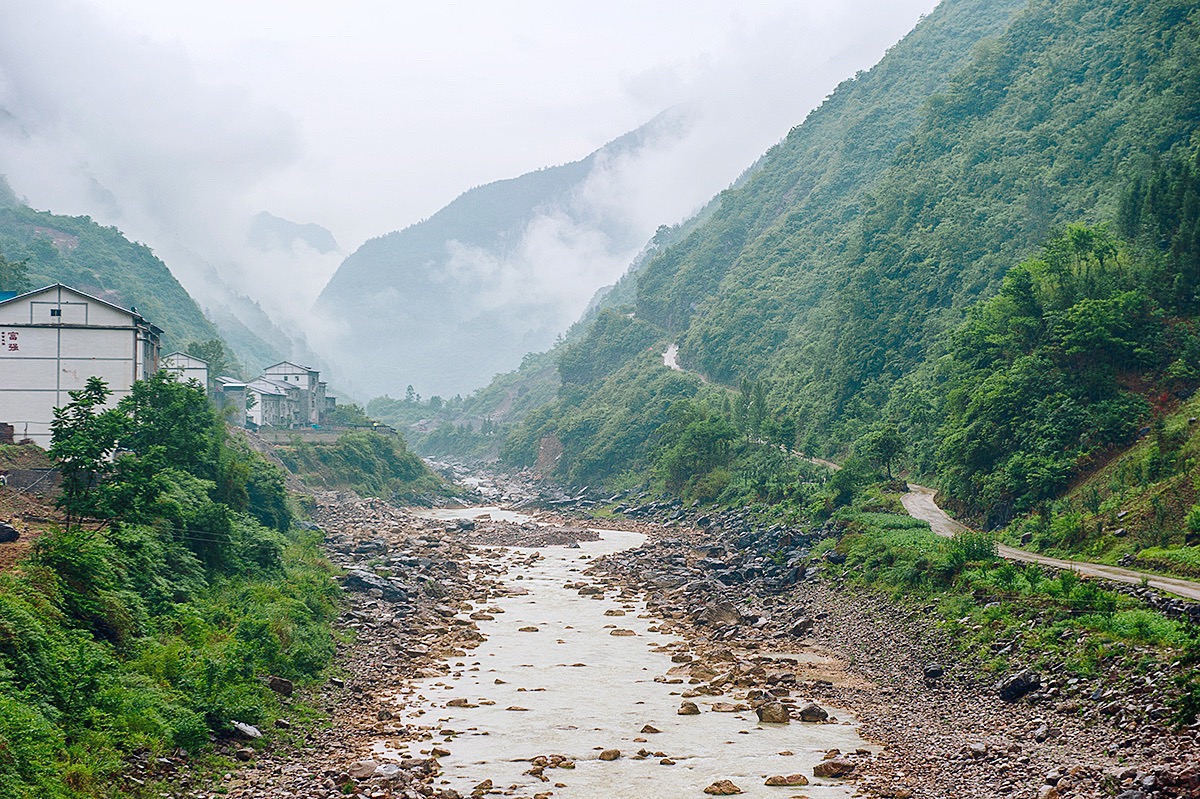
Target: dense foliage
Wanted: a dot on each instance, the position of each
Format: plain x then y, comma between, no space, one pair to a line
150,619
999,615
1037,372
612,339
372,463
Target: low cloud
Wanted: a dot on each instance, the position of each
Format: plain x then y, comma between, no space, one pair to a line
97,121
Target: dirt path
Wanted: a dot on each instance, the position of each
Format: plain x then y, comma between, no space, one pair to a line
920,505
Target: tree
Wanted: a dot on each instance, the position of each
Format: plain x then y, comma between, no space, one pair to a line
84,438
220,361
13,274
882,446
171,424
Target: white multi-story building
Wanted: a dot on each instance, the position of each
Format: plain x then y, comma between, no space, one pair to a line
312,389
53,339
276,403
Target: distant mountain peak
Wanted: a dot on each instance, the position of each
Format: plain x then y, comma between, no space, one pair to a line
270,232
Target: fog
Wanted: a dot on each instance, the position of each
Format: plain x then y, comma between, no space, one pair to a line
178,122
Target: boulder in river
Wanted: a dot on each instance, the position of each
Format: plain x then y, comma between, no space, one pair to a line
722,788
773,713
812,712
789,781
834,767
688,708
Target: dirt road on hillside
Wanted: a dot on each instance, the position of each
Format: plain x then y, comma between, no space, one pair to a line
920,505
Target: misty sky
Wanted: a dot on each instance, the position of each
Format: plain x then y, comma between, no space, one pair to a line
177,121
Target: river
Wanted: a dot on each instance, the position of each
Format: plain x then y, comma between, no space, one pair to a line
574,688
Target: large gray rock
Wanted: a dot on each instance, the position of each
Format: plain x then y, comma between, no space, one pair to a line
246,730
812,712
8,533
280,685
1015,686
720,614
363,580
773,713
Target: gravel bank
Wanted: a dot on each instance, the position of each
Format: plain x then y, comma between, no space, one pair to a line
809,641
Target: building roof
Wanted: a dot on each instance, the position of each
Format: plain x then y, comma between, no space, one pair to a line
262,386
172,356
292,364
137,317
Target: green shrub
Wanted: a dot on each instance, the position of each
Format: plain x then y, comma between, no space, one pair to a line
30,747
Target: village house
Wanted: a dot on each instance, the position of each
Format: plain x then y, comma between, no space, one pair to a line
187,367
312,389
227,394
53,339
230,396
275,403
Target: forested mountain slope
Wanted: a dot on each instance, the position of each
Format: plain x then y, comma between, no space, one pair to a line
99,260
820,297
1042,128
75,250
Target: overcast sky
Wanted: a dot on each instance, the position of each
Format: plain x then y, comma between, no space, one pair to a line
178,120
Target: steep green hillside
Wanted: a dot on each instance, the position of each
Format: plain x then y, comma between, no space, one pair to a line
840,267
811,185
99,260
1044,128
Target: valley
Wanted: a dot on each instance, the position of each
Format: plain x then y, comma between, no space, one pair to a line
554,657
874,473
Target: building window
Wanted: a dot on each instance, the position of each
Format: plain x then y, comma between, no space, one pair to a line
56,311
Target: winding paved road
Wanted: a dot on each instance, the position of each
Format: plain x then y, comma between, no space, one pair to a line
920,505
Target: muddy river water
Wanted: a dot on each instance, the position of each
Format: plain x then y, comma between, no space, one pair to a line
551,677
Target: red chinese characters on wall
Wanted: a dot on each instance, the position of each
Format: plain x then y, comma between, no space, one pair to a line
9,341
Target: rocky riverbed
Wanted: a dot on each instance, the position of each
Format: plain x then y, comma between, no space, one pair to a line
776,643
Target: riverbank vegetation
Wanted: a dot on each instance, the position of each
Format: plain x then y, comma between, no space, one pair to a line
149,621
999,616
372,463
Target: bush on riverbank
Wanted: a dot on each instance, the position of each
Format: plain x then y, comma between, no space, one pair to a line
999,615
370,463
151,619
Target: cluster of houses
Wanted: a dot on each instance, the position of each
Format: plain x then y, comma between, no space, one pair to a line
53,339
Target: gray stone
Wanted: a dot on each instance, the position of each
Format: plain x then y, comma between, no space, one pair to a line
1015,686
812,712
247,730
802,626
281,686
